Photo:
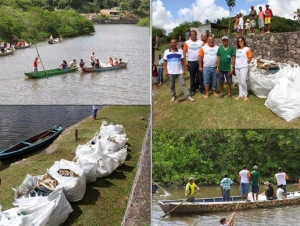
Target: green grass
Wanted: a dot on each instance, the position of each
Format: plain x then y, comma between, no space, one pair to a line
213,113
105,201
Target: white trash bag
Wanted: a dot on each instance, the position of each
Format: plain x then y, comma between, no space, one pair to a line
114,142
109,129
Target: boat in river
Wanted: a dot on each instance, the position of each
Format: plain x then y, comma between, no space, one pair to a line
205,205
7,52
30,144
55,41
105,68
26,45
52,72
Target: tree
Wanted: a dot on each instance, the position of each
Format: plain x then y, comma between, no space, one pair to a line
298,15
231,4
158,32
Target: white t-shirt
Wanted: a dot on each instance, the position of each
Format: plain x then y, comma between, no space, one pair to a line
192,49
241,57
209,55
174,59
244,174
280,178
279,193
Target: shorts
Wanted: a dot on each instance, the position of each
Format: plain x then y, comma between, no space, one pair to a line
268,20
252,23
255,189
261,23
244,188
222,75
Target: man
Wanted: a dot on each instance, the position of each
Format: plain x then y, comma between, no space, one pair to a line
268,17
236,24
252,17
94,112
281,178
244,179
241,24
190,53
208,65
281,194
201,80
93,59
261,16
225,62
255,178
35,65
190,190
225,187
230,222
174,68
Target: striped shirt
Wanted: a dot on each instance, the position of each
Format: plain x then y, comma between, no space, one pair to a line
226,182
173,59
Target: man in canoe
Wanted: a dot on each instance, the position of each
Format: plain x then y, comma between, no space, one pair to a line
93,59
190,190
244,179
281,178
35,65
225,187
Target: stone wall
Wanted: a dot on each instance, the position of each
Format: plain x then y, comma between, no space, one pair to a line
280,47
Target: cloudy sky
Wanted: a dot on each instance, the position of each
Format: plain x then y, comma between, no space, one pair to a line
168,14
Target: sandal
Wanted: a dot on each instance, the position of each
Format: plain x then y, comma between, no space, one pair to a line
239,97
216,95
246,98
205,97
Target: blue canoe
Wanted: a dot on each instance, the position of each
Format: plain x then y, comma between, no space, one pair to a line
30,144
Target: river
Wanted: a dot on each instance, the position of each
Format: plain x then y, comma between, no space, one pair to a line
288,215
119,87
20,122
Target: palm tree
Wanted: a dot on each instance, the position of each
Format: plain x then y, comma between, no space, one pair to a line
231,4
298,15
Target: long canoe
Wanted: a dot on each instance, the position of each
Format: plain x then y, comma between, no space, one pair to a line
109,68
8,52
27,45
52,72
55,41
205,205
30,144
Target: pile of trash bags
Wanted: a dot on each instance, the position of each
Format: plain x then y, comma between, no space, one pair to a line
279,84
44,199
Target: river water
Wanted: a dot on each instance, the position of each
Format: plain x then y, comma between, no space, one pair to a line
125,86
282,216
20,122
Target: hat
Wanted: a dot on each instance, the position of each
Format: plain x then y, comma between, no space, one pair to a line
247,20
267,183
191,178
224,37
252,6
255,167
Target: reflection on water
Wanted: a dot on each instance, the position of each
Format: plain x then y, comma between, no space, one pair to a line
288,215
124,86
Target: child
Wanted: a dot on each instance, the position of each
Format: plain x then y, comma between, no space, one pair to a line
247,27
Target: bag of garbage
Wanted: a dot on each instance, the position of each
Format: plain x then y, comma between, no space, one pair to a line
109,129
113,142
71,177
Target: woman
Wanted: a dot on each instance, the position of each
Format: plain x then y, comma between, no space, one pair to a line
97,64
269,191
64,65
243,58
160,69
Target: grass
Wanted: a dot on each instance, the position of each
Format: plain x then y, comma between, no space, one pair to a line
213,113
105,201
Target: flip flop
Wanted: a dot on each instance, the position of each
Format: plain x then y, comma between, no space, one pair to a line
205,97
237,98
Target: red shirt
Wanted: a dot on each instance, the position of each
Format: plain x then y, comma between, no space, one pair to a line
35,63
268,13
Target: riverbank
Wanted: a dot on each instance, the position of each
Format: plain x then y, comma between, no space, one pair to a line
105,200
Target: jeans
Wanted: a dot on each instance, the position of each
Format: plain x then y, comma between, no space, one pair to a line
210,77
180,78
226,195
244,188
242,74
160,71
194,75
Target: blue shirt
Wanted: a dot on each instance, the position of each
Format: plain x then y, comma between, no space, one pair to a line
226,182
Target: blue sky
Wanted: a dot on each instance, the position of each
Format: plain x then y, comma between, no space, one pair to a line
168,14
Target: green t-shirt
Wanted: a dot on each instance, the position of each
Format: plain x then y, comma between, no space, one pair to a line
225,58
254,177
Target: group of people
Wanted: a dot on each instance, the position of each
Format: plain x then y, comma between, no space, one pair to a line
263,18
247,178
95,63
4,47
206,63
63,66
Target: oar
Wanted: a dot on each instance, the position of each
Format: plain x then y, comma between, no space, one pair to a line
178,205
161,188
40,60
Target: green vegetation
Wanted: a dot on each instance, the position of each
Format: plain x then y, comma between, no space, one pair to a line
144,22
208,154
212,113
105,201
36,24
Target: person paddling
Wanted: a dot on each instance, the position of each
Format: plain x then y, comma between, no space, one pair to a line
35,65
190,190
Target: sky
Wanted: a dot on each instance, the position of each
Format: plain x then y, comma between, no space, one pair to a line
168,14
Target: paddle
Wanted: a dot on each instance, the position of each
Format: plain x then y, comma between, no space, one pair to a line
161,188
178,205
40,60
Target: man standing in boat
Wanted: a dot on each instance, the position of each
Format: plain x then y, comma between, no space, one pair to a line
190,190
35,65
244,179
255,178
93,59
225,187
281,178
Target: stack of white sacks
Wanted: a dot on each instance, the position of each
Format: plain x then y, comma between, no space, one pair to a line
280,87
98,158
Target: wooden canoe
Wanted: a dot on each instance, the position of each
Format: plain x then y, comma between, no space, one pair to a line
205,205
8,52
55,41
52,72
27,45
110,68
30,144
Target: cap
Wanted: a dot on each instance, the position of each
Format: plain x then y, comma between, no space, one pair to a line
224,37
252,6
267,183
279,168
191,178
255,167
247,20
